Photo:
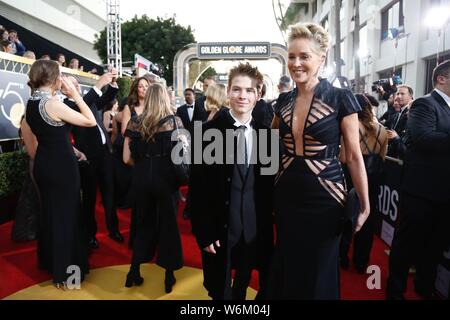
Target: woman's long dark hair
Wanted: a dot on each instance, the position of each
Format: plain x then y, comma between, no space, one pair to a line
366,116
133,97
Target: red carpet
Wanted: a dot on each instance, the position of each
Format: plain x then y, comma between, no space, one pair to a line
18,262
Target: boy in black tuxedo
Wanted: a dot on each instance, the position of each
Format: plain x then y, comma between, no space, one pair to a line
232,199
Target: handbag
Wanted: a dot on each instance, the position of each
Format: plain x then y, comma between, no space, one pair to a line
352,208
181,170
350,213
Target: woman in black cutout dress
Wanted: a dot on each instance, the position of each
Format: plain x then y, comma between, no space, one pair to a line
60,237
148,146
310,191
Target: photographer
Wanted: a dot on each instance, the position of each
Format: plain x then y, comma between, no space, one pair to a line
390,109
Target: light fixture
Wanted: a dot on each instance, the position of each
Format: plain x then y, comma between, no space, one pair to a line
437,17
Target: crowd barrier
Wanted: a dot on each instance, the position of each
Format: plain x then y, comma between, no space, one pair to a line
388,213
14,91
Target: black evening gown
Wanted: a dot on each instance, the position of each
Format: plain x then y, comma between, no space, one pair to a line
154,185
310,195
61,235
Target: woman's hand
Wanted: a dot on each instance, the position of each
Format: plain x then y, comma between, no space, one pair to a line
210,248
362,217
69,88
392,134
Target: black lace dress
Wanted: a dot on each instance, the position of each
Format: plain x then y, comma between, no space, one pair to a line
62,241
310,194
154,185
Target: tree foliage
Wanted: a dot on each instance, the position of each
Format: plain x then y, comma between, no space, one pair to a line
156,40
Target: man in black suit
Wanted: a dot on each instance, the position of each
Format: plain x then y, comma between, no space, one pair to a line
423,233
232,198
95,143
397,123
190,111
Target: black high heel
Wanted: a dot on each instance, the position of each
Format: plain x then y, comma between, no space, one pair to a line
133,279
169,281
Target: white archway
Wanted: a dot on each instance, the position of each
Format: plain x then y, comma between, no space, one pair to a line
191,52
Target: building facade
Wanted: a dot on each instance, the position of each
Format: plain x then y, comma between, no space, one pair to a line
71,24
394,38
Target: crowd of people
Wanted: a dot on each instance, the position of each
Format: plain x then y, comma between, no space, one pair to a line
330,146
10,43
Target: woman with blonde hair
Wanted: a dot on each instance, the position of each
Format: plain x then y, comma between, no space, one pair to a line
148,147
216,99
310,191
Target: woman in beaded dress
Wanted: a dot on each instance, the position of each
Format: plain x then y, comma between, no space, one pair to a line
60,240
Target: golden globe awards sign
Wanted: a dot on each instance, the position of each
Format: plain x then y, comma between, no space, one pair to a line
14,94
232,50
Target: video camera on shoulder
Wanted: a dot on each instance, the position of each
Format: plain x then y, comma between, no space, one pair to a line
389,86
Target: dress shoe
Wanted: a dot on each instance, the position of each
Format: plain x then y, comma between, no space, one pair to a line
133,279
116,236
169,281
93,243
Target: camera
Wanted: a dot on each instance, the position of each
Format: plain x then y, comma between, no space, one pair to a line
389,85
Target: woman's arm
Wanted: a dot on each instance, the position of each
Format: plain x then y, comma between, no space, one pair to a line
275,122
383,142
355,164
126,156
126,116
106,120
29,139
114,128
61,112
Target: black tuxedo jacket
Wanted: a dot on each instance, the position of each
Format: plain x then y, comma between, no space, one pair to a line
89,140
427,161
263,113
209,190
199,115
401,125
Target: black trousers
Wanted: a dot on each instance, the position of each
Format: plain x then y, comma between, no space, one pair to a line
217,270
99,173
421,238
